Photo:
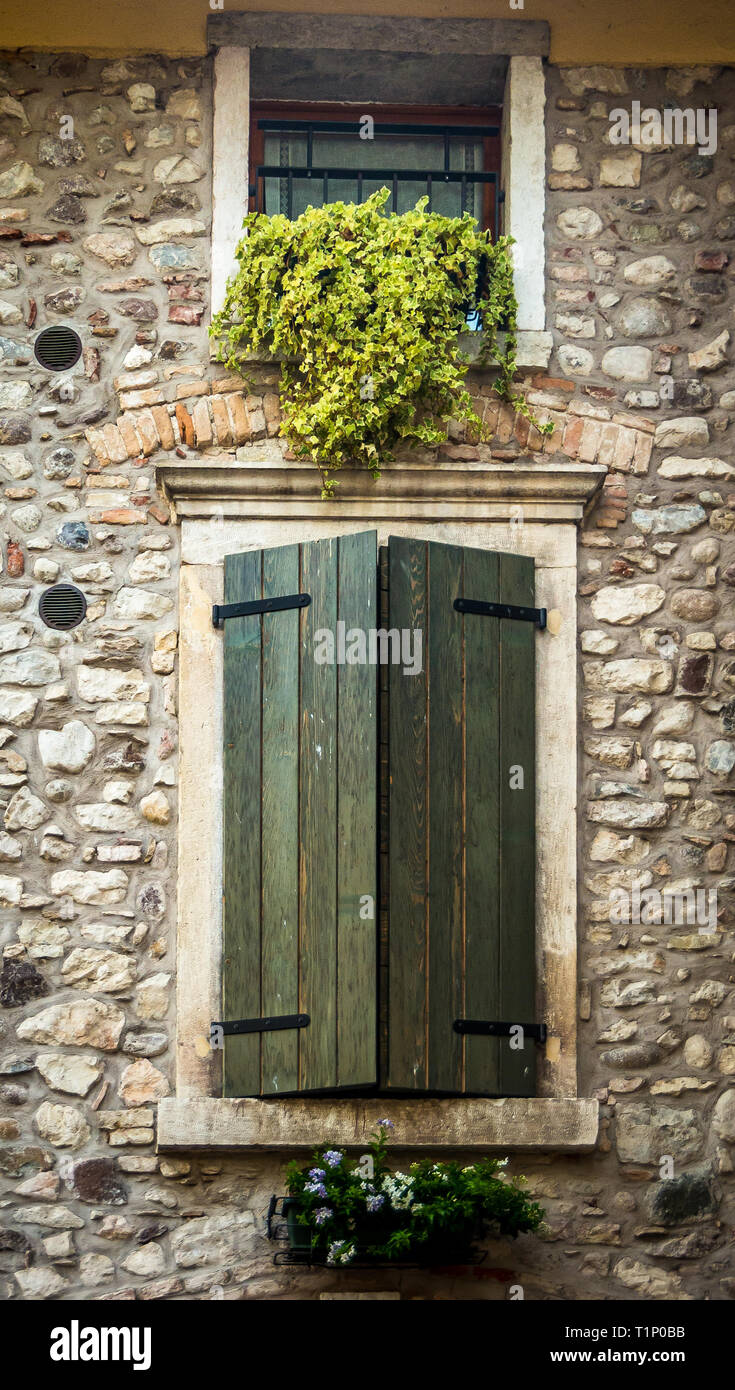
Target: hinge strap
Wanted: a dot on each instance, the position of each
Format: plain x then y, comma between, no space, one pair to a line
264,1025
486,1028
501,610
259,605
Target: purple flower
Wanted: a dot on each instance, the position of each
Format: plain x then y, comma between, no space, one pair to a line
322,1214
333,1157
317,1173
317,1188
374,1203
385,1124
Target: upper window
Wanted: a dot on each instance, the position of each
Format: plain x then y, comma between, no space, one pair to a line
307,155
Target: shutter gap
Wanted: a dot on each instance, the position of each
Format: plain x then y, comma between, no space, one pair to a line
427,814
260,887
337,685
299,721
463,908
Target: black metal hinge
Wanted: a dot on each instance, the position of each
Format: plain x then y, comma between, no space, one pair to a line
263,1025
259,605
501,610
484,1028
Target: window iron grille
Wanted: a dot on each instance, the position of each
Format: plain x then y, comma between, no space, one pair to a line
390,176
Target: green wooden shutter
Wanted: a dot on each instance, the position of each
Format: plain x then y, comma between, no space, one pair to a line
461,857
300,822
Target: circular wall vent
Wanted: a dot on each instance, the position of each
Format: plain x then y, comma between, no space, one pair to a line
58,348
62,606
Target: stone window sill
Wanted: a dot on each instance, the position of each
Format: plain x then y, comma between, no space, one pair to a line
563,1125
533,351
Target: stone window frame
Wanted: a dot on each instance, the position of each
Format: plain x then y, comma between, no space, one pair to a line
225,504
523,134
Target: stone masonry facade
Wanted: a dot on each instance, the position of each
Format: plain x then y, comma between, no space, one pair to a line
104,224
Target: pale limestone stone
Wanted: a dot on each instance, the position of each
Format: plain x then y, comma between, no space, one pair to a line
128,712
675,719
34,667
114,248
575,360
170,229
41,1281
636,714
16,464
148,1260
103,816
647,1280
613,752
17,708
56,1218
95,1269
61,1125
621,171
149,567
117,791
628,363
565,158
86,1022
184,104
698,1052
63,1072
10,849
69,749
97,573
696,468
687,431
44,1185
723,1116
713,355
152,997
142,1084
651,272
98,970
137,604
102,683
627,604
629,675
98,889
43,940
220,1239
599,711
25,811
155,808
580,223
633,814
142,96
14,636
11,890
176,169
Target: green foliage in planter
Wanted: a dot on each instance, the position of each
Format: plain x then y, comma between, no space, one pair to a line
433,1209
369,307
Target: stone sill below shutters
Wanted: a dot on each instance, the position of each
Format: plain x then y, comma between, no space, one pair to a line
559,1125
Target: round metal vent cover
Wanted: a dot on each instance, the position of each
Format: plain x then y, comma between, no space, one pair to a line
58,348
62,606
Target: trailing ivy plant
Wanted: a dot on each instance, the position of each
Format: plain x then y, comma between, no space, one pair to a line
366,308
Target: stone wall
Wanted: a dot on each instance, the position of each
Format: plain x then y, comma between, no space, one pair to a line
107,229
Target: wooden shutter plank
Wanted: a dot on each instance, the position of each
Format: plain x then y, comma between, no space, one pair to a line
318,818
482,860
446,817
517,843
462,860
280,827
241,996
356,818
408,754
